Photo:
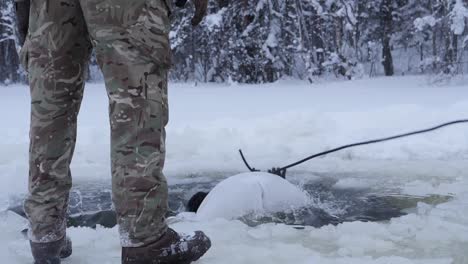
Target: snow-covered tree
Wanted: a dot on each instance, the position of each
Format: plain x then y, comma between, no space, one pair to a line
256,41
9,66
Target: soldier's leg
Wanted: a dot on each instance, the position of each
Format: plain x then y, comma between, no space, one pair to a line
55,55
132,46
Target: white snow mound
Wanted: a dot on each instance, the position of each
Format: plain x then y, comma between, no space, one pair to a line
248,193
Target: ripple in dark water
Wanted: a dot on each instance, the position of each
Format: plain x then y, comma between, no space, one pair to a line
90,204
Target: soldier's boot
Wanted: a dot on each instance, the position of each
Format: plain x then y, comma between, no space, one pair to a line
172,248
51,253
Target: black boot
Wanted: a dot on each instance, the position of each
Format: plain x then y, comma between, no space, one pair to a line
51,253
172,248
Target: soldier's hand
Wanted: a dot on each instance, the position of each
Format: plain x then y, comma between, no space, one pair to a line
22,18
201,7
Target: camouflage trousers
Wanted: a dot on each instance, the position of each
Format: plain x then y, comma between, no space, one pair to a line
131,42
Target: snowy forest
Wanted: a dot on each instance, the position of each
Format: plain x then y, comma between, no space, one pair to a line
260,41
360,106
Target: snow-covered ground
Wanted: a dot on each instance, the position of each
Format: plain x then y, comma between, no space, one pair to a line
276,124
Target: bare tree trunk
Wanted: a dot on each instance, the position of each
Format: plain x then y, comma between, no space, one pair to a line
9,66
10,63
387,27
448,58
317,40
455,47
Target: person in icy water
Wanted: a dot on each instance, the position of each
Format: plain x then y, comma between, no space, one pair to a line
131,42
248,193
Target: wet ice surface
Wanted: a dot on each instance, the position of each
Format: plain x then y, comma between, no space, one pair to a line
330,204
434,231
208,124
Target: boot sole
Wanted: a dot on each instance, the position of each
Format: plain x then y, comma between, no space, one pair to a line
183,262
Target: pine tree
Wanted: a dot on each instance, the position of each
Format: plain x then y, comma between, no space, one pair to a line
257,41
9,68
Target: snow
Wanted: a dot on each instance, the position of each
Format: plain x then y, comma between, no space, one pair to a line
458,15
214,20
251,193
276,124
421,22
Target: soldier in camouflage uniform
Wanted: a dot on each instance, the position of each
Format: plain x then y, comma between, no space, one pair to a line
130,39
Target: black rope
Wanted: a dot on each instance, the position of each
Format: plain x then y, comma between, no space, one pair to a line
282,170
246,163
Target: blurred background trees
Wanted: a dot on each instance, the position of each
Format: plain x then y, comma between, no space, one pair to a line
257,41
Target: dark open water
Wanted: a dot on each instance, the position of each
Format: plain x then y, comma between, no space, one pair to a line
90,204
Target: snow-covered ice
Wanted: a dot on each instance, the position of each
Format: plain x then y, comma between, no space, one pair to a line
276,124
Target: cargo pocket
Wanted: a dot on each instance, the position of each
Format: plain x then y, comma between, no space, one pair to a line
150,34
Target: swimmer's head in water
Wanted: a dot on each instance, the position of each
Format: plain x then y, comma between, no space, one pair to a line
195,202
